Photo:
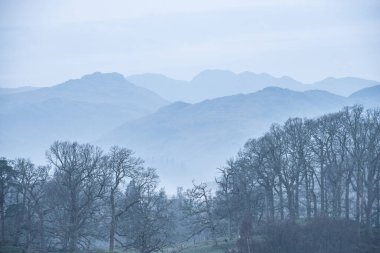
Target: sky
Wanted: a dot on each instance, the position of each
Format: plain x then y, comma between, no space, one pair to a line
43,43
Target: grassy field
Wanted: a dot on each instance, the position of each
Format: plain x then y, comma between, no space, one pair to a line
10,249
205,247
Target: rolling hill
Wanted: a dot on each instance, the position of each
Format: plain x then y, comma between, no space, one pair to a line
368,96
187,141
80,109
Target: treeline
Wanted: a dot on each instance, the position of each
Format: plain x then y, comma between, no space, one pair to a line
309,185
80,198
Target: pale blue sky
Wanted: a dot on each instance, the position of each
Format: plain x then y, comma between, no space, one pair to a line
47,42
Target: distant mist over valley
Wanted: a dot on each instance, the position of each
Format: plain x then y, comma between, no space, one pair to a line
184,128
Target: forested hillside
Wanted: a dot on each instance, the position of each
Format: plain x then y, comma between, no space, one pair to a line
185,140
308,185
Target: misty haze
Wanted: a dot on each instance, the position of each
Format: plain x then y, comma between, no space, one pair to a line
203,126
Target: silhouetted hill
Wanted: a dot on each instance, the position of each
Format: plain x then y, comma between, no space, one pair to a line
189,139
80,109
368,96
343,86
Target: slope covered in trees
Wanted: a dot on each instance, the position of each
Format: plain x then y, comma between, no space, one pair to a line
184,141
308,185
88,195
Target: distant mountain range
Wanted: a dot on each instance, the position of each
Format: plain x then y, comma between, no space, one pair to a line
210,84
183,140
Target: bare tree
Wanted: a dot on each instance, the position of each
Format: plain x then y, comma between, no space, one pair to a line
78,185
372,165
200,207
31,184
147,225
121,166
256,155
7,179
226,206
321,164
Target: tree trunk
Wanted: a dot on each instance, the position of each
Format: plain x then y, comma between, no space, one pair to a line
73,233
323,207
113,224
347,200
357,202
314,197
271,202
291,208
42,233
281,202
307,192
2,220
368,208
296,201
378,208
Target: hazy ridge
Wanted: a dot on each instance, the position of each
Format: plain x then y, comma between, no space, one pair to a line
210,84
181,139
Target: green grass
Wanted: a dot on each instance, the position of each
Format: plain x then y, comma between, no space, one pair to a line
204,247
10,249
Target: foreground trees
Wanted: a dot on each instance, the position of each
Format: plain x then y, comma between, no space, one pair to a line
199,208
7,179
327,167
31,206
121,166
78,186
148,224
87,197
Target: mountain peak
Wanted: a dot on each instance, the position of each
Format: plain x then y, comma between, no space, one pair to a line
98,76
211,74
96,79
